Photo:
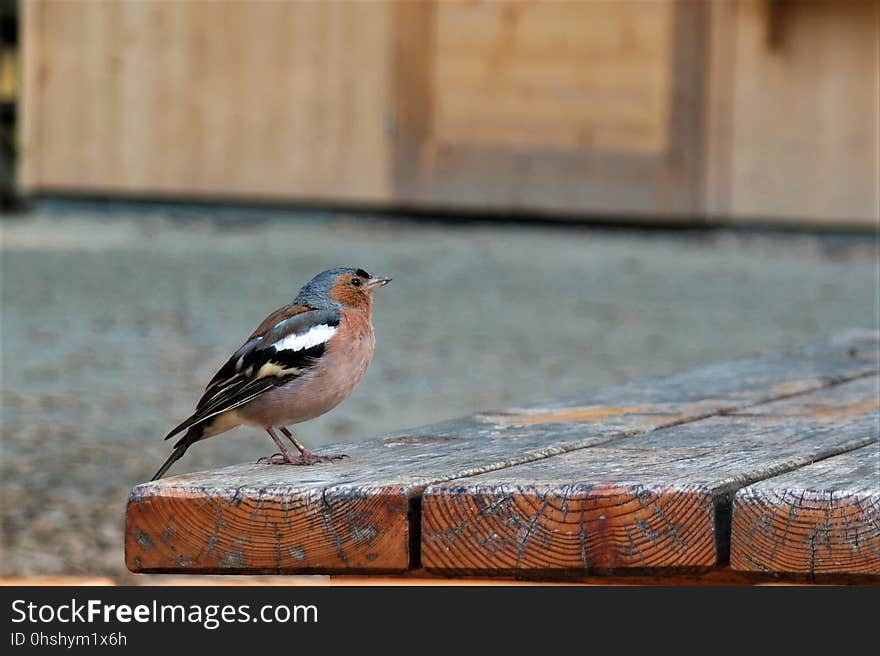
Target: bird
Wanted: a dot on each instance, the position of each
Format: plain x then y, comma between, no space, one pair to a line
303,360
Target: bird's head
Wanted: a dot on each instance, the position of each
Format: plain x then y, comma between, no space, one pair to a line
343,287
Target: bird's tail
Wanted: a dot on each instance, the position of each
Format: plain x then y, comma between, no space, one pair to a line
193,435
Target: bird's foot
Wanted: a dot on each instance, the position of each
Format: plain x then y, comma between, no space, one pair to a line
307,458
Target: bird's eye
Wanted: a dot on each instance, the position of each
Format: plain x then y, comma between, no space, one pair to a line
356,282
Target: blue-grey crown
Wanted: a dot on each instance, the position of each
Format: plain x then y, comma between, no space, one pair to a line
316,292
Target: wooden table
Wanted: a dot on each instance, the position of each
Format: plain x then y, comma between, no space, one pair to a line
760,468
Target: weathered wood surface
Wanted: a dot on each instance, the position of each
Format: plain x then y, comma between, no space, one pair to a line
362,513
821,519
657,500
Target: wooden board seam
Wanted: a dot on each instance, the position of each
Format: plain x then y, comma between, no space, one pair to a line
724,508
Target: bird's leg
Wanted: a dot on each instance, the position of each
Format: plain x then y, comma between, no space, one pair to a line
306,456
293,440
283,458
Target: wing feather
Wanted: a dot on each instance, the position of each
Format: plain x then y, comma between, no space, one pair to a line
287,349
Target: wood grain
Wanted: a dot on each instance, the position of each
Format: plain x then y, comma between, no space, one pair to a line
229,522
657,500
821,519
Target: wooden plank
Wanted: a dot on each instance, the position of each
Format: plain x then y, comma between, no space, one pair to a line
252,518
653,501
821,519
362,513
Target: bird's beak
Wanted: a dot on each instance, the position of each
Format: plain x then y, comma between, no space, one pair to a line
377,281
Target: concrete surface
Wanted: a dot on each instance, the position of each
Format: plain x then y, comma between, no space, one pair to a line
114,319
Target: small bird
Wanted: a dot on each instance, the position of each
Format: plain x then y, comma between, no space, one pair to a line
302,361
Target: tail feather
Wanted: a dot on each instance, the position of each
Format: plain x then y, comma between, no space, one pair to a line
192,436
186,423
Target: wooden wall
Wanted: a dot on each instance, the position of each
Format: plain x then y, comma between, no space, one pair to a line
554,106
744,109
259,99
795,113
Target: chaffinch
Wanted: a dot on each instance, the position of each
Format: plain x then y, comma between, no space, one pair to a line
301,361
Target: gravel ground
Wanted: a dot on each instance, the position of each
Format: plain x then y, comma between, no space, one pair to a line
114,319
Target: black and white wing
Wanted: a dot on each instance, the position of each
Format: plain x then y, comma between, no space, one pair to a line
286,351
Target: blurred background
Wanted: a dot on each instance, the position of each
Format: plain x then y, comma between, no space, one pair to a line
568,194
